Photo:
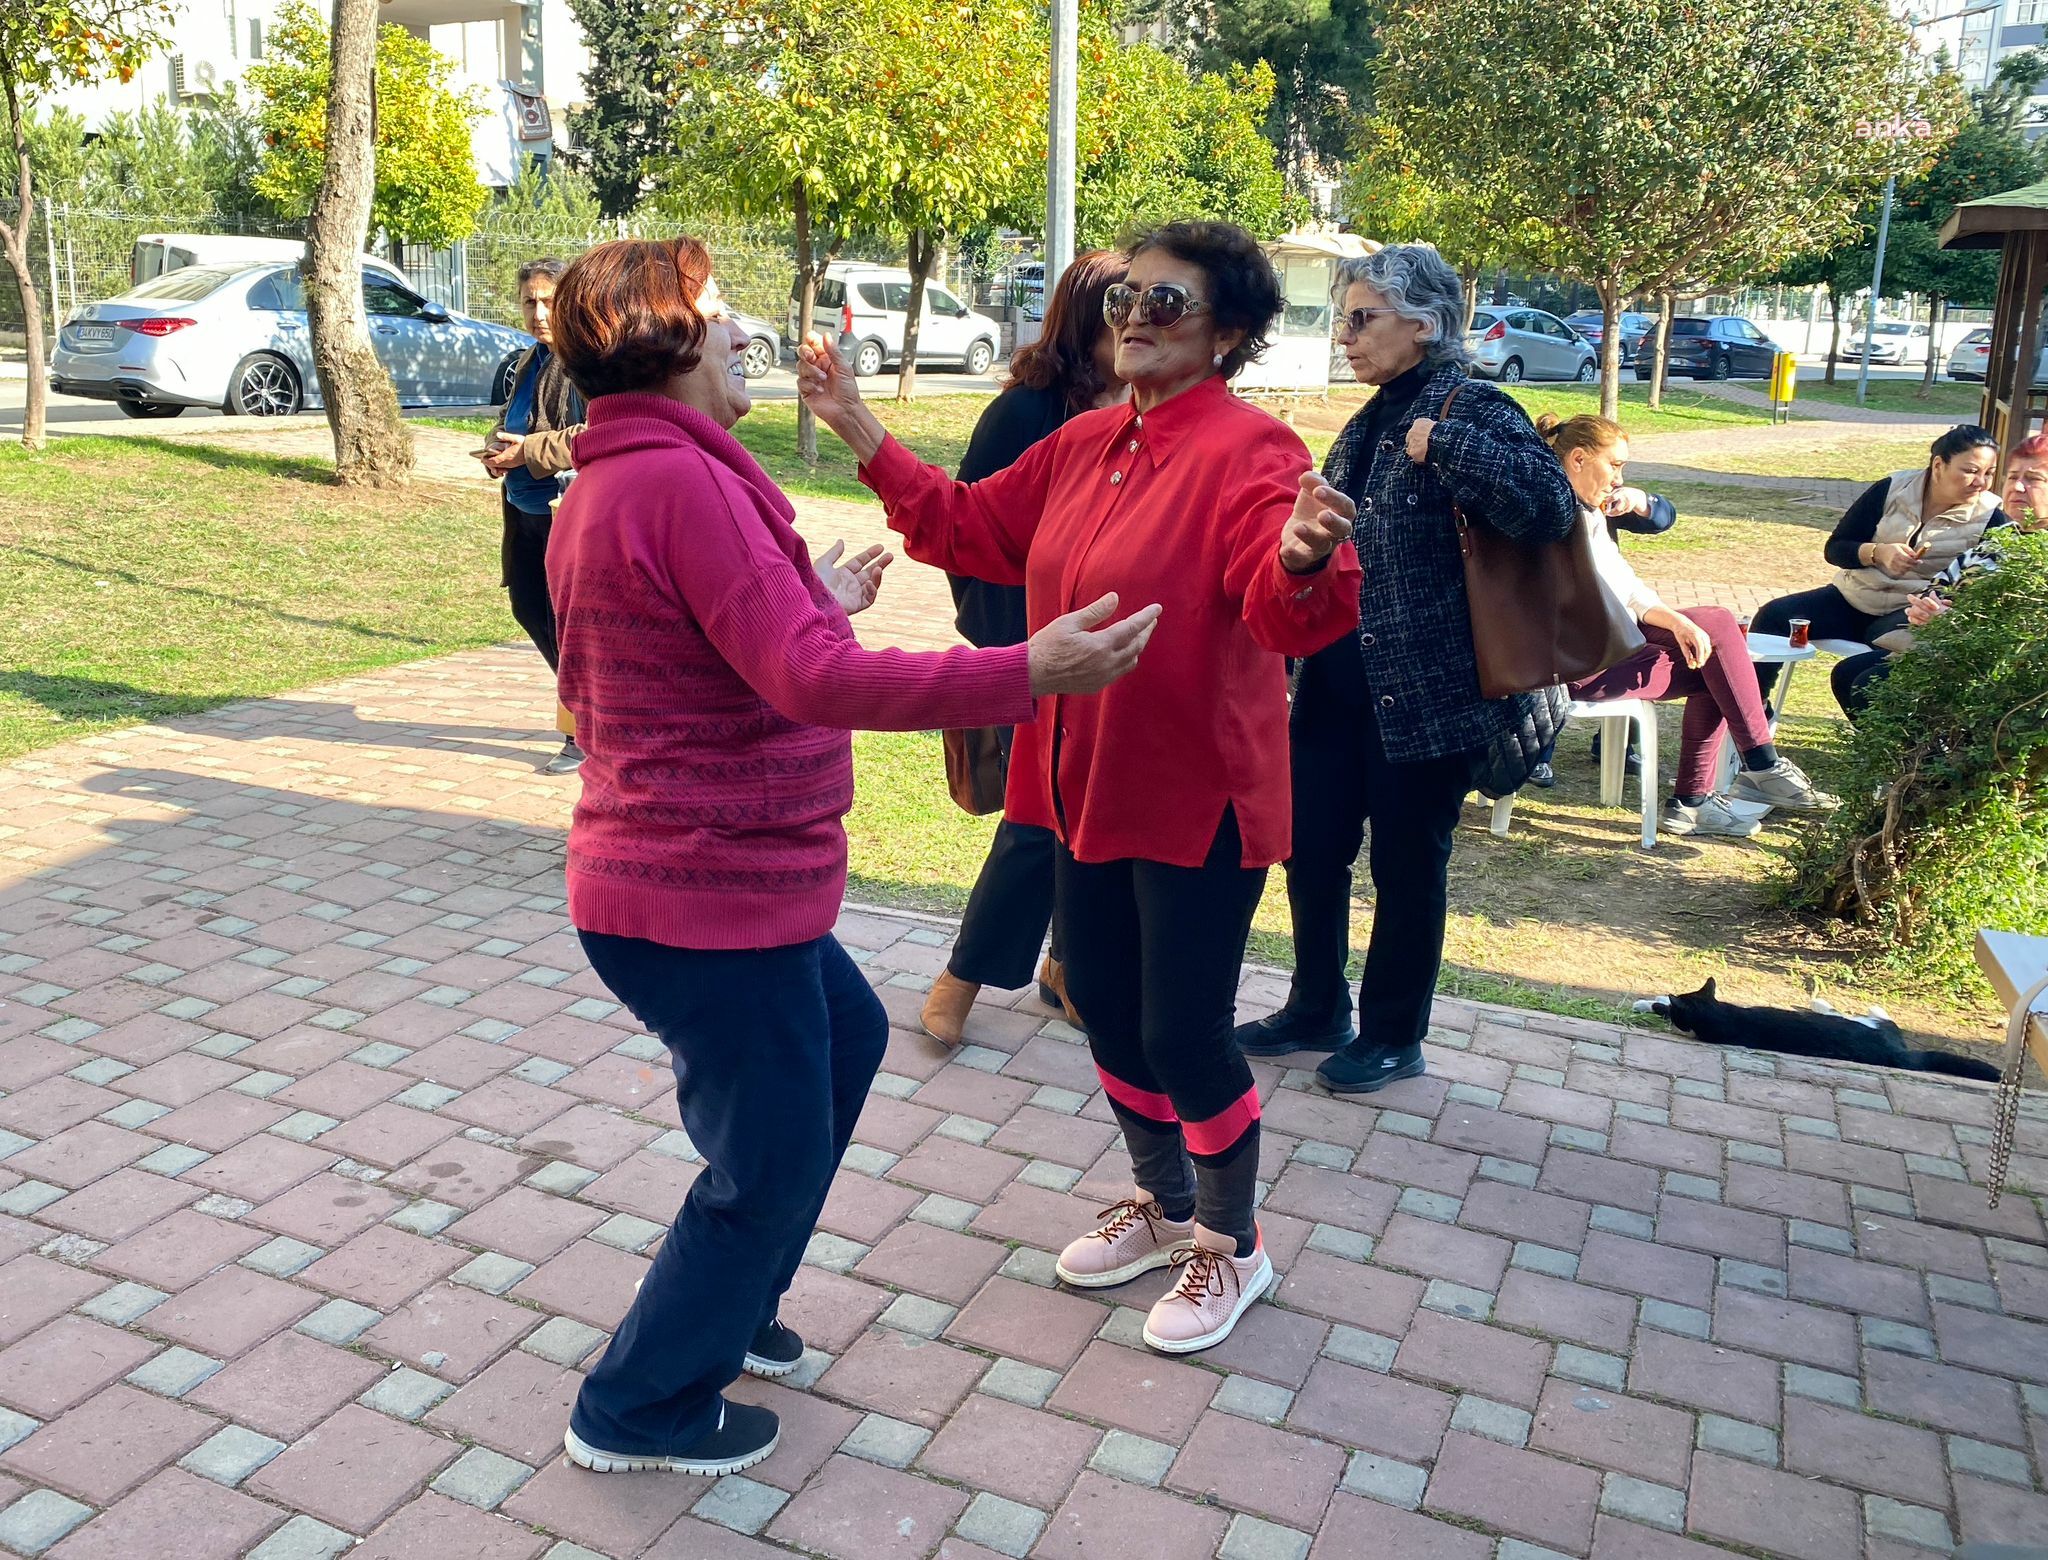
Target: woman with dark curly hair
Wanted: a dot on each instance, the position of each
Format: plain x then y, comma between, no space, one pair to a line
1069,370
1167,794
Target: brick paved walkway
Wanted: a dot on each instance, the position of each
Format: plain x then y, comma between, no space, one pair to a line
327,1163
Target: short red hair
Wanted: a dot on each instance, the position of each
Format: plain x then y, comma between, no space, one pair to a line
625,314
2033,447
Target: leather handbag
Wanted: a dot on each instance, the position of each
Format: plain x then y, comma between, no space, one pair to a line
975,771
1540,615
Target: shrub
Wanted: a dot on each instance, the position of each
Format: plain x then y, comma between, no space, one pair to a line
1945,824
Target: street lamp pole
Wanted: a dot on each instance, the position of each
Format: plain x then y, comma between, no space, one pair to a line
1884,228
1059,169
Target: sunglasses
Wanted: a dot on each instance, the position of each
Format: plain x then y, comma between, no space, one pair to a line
1358,319
1164,304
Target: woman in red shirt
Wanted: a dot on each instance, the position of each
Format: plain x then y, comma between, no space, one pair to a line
1168,792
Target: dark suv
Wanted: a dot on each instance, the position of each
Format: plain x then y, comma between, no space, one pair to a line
1712,346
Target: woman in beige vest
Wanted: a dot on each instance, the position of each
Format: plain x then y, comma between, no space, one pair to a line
1894,540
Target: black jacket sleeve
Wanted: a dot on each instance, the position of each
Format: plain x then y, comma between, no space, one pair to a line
1661,518
1857,526
989,615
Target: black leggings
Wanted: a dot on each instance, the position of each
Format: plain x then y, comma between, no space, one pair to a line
1856,679
1153,955
1827,609
523,569
1010,908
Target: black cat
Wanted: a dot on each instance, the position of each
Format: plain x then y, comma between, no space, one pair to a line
1874,1042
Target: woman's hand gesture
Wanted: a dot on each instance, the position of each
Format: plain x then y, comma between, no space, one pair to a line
1322,519
1693,642
1071,654
853,585
1895,558
825,383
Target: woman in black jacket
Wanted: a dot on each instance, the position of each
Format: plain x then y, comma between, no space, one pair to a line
1070,369
1390,725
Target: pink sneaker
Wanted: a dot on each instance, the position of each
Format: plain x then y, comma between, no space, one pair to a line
1134,1237
1215,1289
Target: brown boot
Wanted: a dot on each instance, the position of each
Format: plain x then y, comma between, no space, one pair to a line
1052,988
946,1009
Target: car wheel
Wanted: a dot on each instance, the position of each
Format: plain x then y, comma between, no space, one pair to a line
501,382
1511,372
264,386
867,361
147,409
979,356
757,359
1588,372
1722,366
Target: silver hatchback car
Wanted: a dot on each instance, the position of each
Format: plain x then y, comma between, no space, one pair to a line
1513,344
235,336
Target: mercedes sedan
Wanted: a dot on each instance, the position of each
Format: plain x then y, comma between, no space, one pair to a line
235,336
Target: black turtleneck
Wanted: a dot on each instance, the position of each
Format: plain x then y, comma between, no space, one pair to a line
1390,407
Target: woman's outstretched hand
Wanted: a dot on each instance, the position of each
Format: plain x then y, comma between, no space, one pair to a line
1072,654
853,585
826,385
1323,518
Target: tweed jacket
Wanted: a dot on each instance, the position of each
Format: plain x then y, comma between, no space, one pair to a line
557,417
1415,628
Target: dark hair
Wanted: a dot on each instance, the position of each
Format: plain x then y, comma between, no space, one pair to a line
625,314
1063,356
1959,440
551,268
1244,289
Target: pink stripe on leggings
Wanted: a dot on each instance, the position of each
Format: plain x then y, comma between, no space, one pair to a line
1221,1131
1156,1107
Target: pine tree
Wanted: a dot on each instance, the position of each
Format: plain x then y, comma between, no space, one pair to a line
630,89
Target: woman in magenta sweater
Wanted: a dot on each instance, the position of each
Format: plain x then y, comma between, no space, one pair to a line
714,679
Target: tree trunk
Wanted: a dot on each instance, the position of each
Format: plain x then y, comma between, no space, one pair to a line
806,307
1470,277
372,445
1667,306
923,250
1935,309
1610,346
1834,332
14,238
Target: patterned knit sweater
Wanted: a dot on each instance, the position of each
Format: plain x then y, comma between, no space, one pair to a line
714,681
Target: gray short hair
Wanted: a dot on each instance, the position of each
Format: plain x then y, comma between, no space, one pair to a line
1418,284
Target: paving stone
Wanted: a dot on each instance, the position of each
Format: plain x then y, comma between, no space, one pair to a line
174,1372
1133,1458
405,1393
1591,1366
491,1272
427,1217
1458,1300
1887,1518
1989,1462
340,1322
1501,1422
1004,1526
124,1303
1545,1259
1826,1386
740,1504
1028,1265
39,1519
915,1314
1251,1399
561,1178
1738,1438
230,1455
283,1256
1685,1320
1880,1333
1429,1205
481,1478
563,1341
304,1538
1383,1479
629,1232
890,1442
1355,1346
1638,1500
1253,1538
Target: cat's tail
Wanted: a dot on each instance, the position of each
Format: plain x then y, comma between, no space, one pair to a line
1953,1065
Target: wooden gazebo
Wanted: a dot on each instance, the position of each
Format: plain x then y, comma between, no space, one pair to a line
2016,222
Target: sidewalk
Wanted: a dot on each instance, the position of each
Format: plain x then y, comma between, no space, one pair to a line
327,1164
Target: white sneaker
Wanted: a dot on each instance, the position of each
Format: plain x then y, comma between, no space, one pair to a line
1783,786
1712,816
1216,1287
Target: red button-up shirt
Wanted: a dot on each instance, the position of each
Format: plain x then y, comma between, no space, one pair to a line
1183,505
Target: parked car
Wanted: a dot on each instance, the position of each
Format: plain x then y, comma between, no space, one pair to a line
1891,341
1516,344
1712,346
1972,357
155,253
236,336
764,346
1591,324
873,305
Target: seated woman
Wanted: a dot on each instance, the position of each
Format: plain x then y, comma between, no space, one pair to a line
1893,541
2024,503
1698,655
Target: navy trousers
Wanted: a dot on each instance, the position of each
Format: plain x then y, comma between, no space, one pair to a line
774,1049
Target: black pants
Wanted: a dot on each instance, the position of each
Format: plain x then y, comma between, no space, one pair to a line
774,1049
1342,778
1153,957
523,567
1827,609
1856,679
1011,906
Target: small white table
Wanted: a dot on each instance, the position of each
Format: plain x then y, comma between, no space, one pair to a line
2017,967
1764,650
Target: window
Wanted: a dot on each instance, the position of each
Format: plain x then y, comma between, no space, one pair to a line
937,299
281,292
1520,321
187,284
382,296
831,295
876,296
1692,327
1483,319
255,37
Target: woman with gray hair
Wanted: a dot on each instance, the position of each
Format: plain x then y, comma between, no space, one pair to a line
1389,724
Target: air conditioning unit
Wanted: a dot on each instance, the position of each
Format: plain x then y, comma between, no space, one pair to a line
193,78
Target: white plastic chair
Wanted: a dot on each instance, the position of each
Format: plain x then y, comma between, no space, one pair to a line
1616,716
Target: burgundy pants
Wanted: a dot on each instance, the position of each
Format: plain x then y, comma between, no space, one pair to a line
1720,695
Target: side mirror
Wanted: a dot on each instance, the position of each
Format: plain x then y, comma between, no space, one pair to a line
434,314
962,312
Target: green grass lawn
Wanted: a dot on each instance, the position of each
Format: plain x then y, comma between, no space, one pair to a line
1859,460
1946,398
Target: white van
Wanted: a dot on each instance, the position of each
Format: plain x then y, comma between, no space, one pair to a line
872,306
156,253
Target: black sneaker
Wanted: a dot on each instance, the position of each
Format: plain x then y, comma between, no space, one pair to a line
566,762
744,1435
775,1351
1365,1069
1287,1031
1543,777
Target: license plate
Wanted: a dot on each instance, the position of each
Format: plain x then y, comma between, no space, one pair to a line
93,335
